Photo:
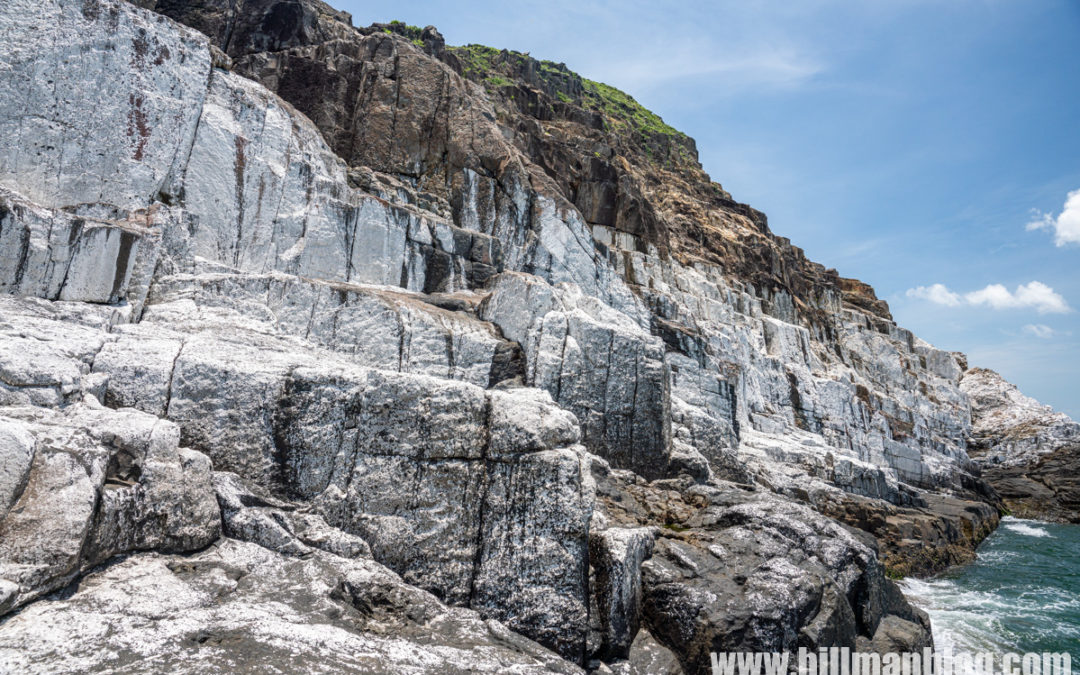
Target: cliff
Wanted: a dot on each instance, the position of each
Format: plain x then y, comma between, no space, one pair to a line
343,349
1028,452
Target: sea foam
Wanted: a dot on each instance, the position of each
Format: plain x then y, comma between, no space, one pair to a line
1024,527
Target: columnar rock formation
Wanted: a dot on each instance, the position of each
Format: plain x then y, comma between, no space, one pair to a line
349,350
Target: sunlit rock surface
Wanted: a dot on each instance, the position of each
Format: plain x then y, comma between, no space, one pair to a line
1028,452
316,349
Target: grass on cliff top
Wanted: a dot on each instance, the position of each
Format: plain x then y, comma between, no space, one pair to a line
411,33
478,62
621,107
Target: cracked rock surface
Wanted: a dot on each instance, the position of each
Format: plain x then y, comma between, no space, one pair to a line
239,607
318,351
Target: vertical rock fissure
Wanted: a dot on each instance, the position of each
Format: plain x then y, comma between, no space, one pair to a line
172,376
73,240
239,166
123,256
485,452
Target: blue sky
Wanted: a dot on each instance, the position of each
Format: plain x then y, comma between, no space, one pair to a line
907,143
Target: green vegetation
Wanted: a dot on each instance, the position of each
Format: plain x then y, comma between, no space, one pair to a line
476,60
478,63
413,33
623,110
893,574
551,67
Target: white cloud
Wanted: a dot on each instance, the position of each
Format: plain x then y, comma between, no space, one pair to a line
1034,295
1066,225
1039,330
938,294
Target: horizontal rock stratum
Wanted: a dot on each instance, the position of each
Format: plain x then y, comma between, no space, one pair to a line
326,349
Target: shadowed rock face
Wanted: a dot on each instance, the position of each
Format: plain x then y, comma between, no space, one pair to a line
1045,488
738,569
443,350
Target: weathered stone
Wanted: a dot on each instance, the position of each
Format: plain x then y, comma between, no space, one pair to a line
466,333
101,483
498,516
129,103
648,657
1028,453
1044,488
280,526
16,454
53,254
616,555
898,636
736,570
47,350
923,539
594,361
1010,428
238,607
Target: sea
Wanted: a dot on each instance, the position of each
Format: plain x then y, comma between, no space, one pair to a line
1022,593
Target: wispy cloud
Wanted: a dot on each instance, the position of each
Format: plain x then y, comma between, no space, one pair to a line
1039,330
1034,295
1066,225
781,66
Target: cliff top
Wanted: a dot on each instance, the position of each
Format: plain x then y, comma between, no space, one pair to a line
386,103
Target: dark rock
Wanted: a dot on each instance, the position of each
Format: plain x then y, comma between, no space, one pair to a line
736,570
648,657
1047,488
898,636
919,541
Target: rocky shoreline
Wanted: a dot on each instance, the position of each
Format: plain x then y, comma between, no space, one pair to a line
343,350
925,540
1029,453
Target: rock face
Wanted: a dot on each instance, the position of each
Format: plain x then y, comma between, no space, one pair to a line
1028,452
1045,488
939,532
741,569
238,607
449,374
92,483
1008,428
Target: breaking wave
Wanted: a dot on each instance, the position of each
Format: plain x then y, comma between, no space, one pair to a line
1021,594
1024,527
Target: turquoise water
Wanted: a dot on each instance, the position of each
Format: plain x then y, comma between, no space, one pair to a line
1022,594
